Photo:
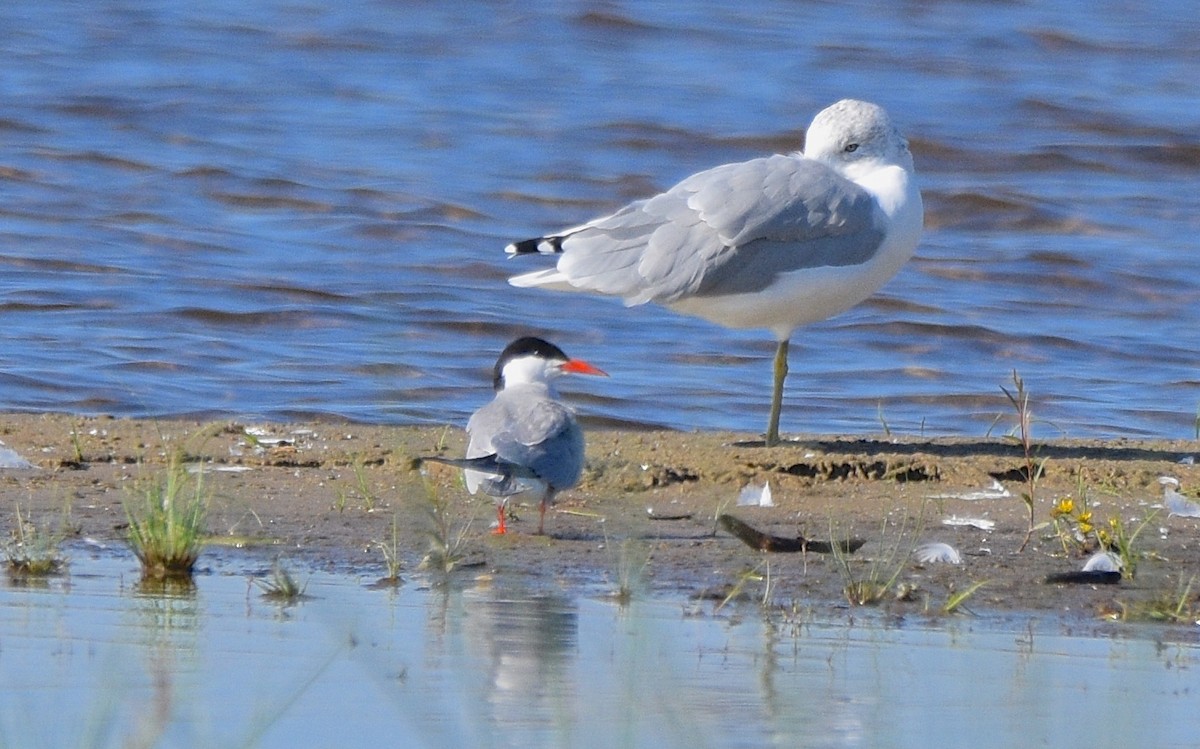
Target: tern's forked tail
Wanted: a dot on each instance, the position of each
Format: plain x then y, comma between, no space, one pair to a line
485,464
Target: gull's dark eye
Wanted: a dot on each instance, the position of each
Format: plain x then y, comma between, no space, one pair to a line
851,148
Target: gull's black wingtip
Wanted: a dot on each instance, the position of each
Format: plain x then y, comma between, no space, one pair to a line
525,247
543,245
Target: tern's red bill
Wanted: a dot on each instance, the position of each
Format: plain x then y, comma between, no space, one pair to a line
579,366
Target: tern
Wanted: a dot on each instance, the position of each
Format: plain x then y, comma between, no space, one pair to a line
775,242
525,440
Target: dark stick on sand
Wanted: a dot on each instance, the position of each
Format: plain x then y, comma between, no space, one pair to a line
756,539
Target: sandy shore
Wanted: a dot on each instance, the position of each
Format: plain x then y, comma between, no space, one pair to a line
324,494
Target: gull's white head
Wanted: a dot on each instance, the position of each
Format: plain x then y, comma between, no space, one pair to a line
855,137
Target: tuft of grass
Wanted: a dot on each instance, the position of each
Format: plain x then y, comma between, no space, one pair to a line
956,600
790,619
363,485
1121,539
447,537
77,444
887,430
1178,607
745,578
33,551
440,446
281,586
632,560
167,521
361,488
1023,433
867,591
391,553
876,583
724,500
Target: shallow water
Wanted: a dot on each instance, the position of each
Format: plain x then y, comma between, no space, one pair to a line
283,210
476,665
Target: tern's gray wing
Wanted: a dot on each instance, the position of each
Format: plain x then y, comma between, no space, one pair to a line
727,230
532,430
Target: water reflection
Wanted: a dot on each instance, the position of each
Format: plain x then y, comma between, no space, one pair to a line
478,663
508,654
166,616
525,646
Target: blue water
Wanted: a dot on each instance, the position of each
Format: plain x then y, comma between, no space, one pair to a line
94,661
294,210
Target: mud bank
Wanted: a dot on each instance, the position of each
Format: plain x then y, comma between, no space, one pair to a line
325,494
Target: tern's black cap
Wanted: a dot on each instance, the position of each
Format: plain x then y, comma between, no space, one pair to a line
526,346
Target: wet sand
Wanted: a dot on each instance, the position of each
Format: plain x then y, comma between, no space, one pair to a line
325,494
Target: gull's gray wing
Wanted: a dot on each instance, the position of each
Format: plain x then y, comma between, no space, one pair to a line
523,426
727,230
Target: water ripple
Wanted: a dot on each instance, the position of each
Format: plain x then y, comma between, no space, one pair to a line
296,212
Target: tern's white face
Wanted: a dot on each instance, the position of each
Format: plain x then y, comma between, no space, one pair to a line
531,369
855,137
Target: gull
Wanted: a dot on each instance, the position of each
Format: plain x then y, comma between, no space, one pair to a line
525,439
773,243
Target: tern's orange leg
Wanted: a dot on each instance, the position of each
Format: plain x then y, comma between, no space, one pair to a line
500,517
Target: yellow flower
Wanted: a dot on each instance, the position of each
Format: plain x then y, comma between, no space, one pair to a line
1064,507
